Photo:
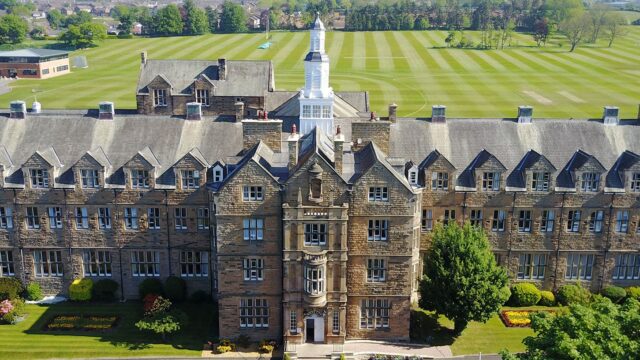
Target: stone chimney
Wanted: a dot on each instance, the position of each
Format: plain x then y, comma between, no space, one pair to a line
338,149
17,109
239,111
106,110
610,115
393,112
364,132
525,114
194,111
267,131
292,142
222,69
438,114
143,57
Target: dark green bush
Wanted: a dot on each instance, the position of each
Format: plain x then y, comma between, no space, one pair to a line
524,294
81,289
614,293
199,297
175,289
573,294
633,292
10,288
507,293
105,290
243,341
33,292
150,286
547,298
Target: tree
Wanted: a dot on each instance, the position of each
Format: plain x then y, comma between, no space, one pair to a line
614,27
422,23
55,18
195,19
84,35
233,18
126,23
462,280
167,21
598,14
451,38
600,330
77,19
13,29
541,31
37,33
212,17
575,27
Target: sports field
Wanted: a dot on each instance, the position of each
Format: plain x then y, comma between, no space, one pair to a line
410,68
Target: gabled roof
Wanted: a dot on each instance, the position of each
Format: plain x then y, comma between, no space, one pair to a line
467,177
316,142
148,156
99,156
566,177
432,157
615,178
367,157
49,156
260,154
195,152
341,107
518,177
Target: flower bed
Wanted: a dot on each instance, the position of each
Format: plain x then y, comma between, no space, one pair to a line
519,318
82,322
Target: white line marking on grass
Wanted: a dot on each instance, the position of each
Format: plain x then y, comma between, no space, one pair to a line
537,97
571,97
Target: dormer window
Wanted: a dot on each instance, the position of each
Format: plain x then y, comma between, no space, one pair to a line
439,181
140,179
491,181
540,181
159,97
635,182
590,182
202,96
190,179
90,178
39,178
412,175
306,111
218,175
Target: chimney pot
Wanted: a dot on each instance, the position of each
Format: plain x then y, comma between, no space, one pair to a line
106,110
525,114
222,69
294,129
17,109
194,111
393,111
610,115
239,111
143,57
438,114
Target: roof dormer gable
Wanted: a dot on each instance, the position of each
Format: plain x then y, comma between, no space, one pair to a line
41,169
91,170
484,171
140,170
190,170
625,173
583,171
160,82
532,164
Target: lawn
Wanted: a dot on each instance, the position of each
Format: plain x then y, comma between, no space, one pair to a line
411,68
28,340
487,338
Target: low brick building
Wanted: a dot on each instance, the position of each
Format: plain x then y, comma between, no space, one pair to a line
34,63
317,236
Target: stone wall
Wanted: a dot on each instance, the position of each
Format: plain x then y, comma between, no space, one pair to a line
269,131
364,132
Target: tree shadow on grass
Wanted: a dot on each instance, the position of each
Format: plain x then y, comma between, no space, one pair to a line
426,329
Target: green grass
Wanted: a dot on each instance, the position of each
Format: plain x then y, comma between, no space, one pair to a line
27,340
485,338
410,68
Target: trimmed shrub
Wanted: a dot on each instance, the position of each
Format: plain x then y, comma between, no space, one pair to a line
614,293
33,292
633,292
266,346
286,356
507,293
573,294
105,290
10,288
150,286
243,341
80,289
524,294
547,298
175,288
226,346
199,297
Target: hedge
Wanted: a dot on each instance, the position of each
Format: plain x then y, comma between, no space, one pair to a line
573,294
634,292
614,293
547,298
105,290
525,294
150,286
80,289
175,289
10,288
33,292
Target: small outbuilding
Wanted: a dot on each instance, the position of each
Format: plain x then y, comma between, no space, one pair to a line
34,63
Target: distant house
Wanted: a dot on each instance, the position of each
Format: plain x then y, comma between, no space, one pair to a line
67,11
39,15
34,63
254,22
137,29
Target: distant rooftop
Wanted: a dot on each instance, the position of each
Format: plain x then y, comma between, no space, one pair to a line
38,53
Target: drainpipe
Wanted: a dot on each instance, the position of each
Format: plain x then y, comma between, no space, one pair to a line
15,228
115,229
464,207
560,222
608,246
510,234
166,207
282,312
211,244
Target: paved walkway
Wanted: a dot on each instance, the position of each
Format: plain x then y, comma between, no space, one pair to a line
320,351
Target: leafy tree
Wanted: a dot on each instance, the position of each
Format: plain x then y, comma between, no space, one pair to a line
8,4
84,35
614,27
233,18
541,31
560,10
55,19
13,29
451,38
119,10
600,330
37,33
212,17
422,23
575,28
76,19
462,280
598,14
195,19
126,23
167,21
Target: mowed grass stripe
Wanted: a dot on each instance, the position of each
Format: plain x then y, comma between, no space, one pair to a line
346,61
373,61
335,40
359,52
428,62
399,60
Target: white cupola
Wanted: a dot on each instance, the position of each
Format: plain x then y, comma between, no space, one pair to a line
316,98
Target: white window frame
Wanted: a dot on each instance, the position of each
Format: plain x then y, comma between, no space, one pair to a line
314,282
39,178
547,221
202,97
293,322
131,218
378,230
82,218
376,270
97,263
253,269
378,194
635,182
627,267
189,179
531,266
426,223
194,263
6,217
48,263
140,179
449,215
104,218
145,263
159,97
491,180
306,111
90,178
254,313
475,218
540,181
218,174
252,193
498,221
622,221
439,181
596,221
180,218
590,182
579,266
573,221
336,321
6,263
315,234
55,217
374,313
524,221
153,218
203,220
32,219
253,229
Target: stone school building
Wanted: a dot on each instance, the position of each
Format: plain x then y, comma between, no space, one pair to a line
303,214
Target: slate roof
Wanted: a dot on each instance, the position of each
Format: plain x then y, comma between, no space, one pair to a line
615,178
517,178
341,107
566,178
243,78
